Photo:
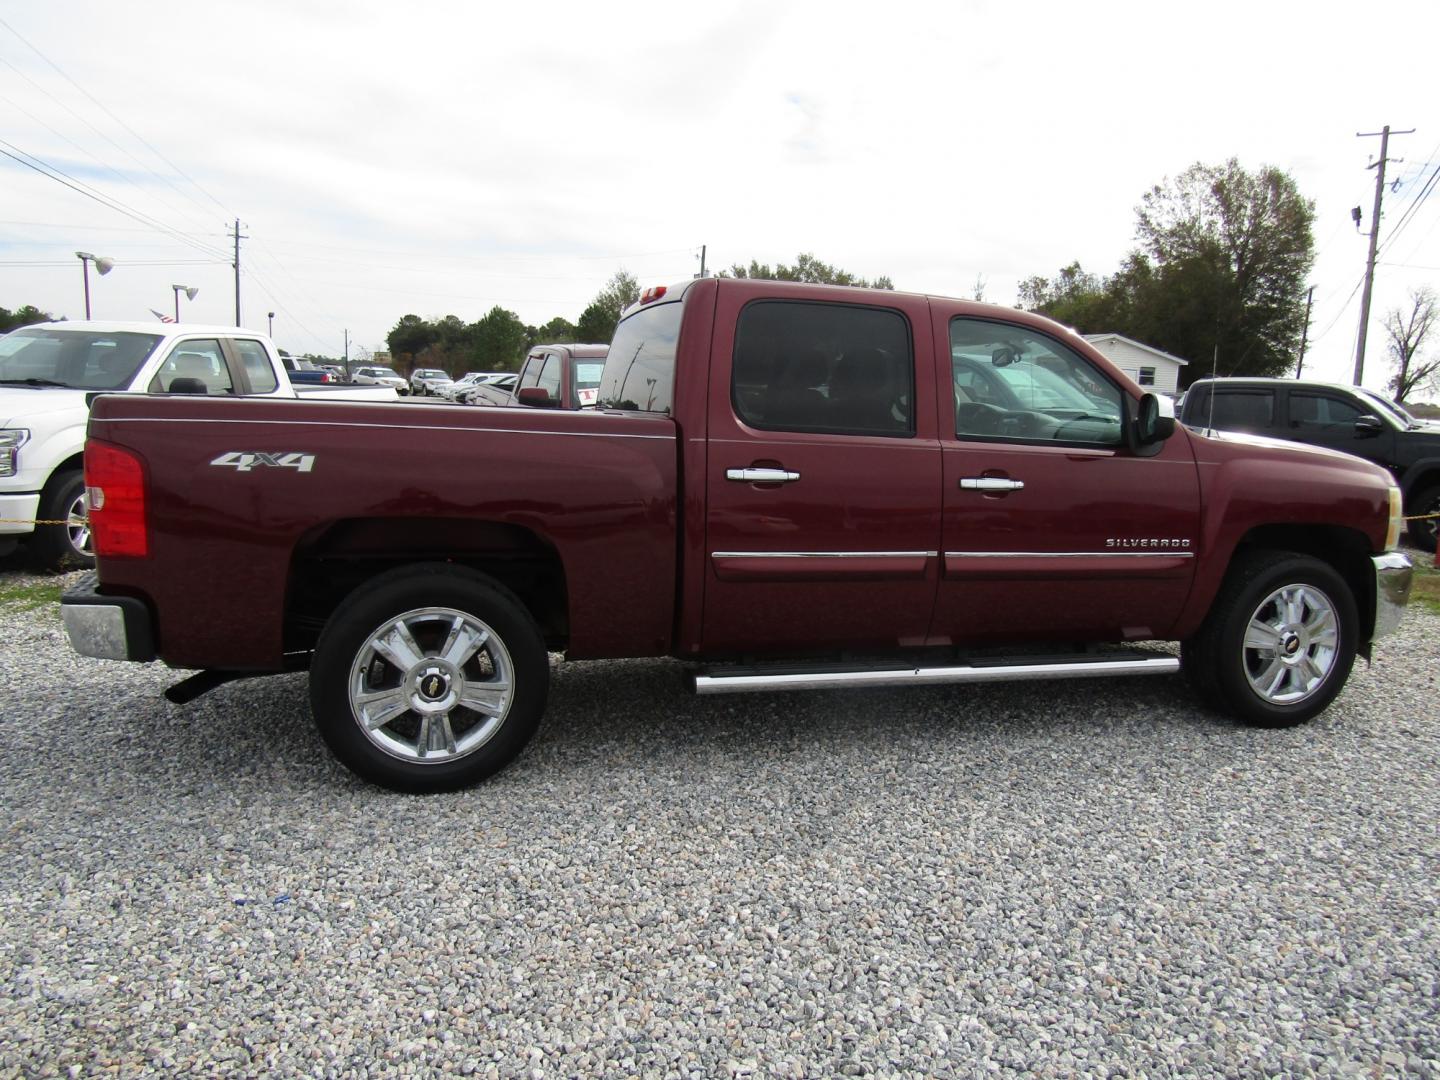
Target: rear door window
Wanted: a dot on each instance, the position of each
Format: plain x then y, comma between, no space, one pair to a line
835,368
258,369
1237,410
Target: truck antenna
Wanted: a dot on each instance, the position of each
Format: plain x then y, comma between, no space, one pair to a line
1214,370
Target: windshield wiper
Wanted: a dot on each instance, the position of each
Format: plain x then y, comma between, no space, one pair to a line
35,382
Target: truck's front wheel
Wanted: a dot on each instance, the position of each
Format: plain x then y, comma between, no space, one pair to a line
1279,641
1424,506
429,678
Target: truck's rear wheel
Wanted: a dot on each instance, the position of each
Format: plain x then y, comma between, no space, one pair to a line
430,678
67,546
1279,641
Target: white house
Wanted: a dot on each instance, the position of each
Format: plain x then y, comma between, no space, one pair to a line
1151,368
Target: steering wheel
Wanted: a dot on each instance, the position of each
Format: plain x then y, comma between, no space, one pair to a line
978,418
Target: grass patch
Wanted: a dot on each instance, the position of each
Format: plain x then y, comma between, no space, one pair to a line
30,595
1425,584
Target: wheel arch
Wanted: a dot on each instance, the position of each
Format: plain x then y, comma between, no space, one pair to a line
74,463
333,560
1345,550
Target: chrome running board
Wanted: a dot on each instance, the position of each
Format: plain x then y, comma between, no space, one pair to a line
741,680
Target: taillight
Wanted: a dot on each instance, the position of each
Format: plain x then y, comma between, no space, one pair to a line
115,483
655,292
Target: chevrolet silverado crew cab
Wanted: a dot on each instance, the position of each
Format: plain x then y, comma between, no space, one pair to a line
794,486
1349,418
50,371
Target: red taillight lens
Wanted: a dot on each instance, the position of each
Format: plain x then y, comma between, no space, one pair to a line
655,292
115,482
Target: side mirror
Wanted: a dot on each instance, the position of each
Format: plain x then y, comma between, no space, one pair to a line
536,397
1367,426
1154,422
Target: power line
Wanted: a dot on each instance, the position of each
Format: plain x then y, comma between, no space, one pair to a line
108,201
1418,201
61,135
102,107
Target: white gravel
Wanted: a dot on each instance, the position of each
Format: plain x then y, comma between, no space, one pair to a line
1051,879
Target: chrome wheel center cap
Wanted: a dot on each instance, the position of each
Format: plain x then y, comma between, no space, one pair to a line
432,685
1290,643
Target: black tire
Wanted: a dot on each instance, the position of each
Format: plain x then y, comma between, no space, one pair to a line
1424,502
63,547
352,671
1309,665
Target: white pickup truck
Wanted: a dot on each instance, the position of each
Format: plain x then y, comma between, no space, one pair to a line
50,371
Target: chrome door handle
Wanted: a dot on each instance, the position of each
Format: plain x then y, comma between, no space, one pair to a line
753,475
991,483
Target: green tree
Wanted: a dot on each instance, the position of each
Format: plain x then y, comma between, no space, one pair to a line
28,315
497,340
1220,272
808,269
1074,297
555,332
1235,247
597,322
410,337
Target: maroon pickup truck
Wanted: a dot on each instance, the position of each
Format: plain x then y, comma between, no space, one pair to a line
794,486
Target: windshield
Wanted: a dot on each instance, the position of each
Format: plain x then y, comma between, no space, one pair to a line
381,373
1396,411
80,359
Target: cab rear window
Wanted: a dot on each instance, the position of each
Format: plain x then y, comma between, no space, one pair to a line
640,367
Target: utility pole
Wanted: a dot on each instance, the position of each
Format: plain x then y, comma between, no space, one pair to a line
347,352
236,264
1379,168
1305,332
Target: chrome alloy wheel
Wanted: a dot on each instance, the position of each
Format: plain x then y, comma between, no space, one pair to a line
77,524
431,686
1291,644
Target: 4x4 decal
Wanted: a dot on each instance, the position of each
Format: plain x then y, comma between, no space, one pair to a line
245,460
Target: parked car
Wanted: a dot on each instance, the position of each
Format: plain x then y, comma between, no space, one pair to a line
453,391
302,372
373,375
1340,417
782,481
48,373
494,389
561,376
422,378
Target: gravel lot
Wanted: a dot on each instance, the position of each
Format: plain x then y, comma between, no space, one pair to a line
1051,879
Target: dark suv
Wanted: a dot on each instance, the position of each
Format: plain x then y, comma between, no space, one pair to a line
1348,418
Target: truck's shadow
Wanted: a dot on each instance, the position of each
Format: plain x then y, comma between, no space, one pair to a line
641,714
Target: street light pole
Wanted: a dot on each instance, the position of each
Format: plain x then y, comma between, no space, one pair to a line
189,290
271,316
102,264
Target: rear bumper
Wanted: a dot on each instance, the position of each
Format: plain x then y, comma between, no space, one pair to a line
106,627
1392,590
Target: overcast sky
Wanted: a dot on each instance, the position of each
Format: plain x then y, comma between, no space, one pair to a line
444,158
